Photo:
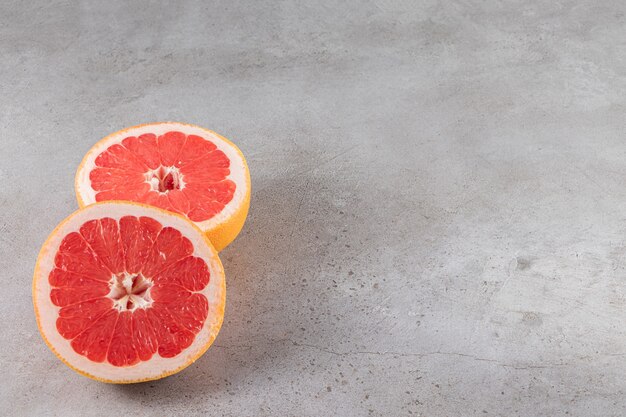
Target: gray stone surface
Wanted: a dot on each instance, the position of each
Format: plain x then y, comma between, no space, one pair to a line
438,219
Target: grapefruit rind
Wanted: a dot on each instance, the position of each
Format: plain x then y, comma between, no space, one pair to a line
221,229
157,367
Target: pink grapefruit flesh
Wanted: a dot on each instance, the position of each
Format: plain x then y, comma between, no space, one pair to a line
126,292
174,166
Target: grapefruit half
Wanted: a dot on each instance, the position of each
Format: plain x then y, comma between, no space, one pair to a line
174,166
125,292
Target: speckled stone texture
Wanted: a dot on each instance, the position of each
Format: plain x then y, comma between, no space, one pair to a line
438,219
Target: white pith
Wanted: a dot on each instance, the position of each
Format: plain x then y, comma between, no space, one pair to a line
122,292
237,174
152,177
157,366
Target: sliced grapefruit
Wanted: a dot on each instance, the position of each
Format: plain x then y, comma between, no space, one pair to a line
125,292
174,166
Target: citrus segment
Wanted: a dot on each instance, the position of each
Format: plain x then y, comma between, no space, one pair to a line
126,292
177,167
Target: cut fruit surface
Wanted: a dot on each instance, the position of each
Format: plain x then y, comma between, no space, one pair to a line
126,292
174,166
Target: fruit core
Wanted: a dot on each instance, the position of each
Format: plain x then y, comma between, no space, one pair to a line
164,179
130,291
